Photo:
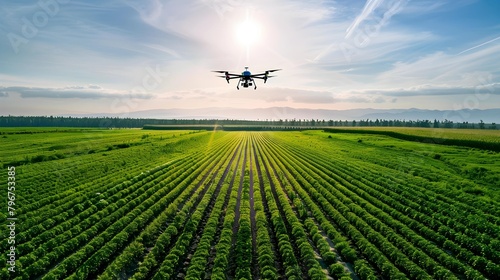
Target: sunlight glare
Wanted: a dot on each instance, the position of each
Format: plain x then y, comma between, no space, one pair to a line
248,32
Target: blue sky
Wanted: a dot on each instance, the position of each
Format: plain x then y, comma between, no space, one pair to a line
118,56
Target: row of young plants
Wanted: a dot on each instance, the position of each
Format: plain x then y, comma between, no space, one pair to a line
341,242
344,200
220,265
376,223
193,246
79,229
81,273
445,190
285,248
346,221
179,220
399,222
36,213
457,266
179,251
193,218
198,262
197,266
335,267
51,183
318,244
118,217
427,212
420,192
134,251
243,252
266,257
461,216
466,249
72,213
294,226
60,203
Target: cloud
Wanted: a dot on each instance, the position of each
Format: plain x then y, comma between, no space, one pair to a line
293,95
196,94
363,40
370,6
480,45
478,66
426,7
363,98
432,90
386,12
94,86
77,92
304,96
332,52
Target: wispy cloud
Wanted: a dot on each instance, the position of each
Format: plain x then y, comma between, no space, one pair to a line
295,95
480,45
71,92
426,7
333,53
469,69
370,6
432,90
304,96
363,30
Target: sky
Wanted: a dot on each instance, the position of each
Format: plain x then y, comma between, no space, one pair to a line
119,56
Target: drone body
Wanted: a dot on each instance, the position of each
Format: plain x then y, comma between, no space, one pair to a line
246,78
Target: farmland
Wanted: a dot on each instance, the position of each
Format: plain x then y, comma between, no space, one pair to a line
136,204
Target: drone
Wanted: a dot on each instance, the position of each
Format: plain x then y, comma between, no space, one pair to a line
246,78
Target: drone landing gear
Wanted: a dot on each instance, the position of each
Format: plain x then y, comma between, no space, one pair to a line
246,84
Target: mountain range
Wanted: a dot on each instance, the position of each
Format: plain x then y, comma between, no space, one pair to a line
276,113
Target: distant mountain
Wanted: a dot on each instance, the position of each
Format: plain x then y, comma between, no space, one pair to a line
276,113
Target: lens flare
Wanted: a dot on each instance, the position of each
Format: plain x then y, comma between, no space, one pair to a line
248,32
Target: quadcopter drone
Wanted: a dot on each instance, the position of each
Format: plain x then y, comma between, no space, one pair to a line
246,78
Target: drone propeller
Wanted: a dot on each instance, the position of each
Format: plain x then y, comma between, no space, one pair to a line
274,70
226,77
265,78
225,72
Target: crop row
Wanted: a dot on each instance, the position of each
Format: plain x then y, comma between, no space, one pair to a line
164,246
255,206
369,192
313,175
112,221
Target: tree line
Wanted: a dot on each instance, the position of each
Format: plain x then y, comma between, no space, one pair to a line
116,122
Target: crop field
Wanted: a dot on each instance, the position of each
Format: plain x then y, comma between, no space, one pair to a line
138,204
484,135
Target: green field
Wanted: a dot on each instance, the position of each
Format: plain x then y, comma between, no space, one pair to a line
153,204
485,135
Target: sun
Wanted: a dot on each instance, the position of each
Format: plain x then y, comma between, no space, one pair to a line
248,32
